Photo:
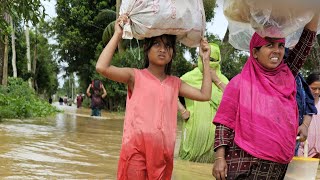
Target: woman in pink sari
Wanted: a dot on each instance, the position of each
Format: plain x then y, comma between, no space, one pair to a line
256,123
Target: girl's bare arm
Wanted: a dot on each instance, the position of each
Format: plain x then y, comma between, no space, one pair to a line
204,94
104,67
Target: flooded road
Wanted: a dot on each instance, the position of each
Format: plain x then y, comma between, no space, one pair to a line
70,146
73,145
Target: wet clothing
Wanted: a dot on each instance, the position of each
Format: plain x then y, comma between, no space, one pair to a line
313,137
95,112
65,100
79,101
149,131
197,135
60,101
259,110
96,102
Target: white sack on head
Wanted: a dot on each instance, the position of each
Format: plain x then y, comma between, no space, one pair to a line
272,18
184,18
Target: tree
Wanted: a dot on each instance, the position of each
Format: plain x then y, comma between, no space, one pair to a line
79,29
5,53
13,46
28,54
45,72
209,6
30,10
1,57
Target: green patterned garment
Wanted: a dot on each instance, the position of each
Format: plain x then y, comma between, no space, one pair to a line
198,132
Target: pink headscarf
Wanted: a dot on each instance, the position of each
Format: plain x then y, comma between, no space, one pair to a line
260,106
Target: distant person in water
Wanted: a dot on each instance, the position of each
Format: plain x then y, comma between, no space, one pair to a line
65,100
79,100
96,92
60,101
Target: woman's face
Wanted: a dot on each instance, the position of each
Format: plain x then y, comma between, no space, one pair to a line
270,55
315,89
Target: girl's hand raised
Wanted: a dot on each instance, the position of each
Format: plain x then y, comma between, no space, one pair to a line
205,50
120,22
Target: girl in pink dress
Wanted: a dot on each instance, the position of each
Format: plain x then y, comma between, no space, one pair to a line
313,81
151,111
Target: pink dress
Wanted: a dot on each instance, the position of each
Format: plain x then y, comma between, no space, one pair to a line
149,131
313,136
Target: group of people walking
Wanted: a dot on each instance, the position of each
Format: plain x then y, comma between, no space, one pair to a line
246,127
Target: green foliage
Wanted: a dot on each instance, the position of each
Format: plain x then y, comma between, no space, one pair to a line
106,16
45,75
312,64
30,10
209,6
232,60
108,33
17,100
180,65
79,26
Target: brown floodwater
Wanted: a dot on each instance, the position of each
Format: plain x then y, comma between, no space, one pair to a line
73,145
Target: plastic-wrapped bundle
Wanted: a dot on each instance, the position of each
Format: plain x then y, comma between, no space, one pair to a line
240,35
184,18
281,18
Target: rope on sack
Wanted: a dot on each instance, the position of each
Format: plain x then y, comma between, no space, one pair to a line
132,50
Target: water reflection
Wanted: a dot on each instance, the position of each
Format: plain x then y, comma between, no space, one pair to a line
68,146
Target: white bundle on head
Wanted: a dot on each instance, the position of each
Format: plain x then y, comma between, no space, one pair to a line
272,18
149,18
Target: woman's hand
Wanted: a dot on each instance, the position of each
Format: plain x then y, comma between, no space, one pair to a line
313,24
303,128
185,115
219,170
303,133
204,50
